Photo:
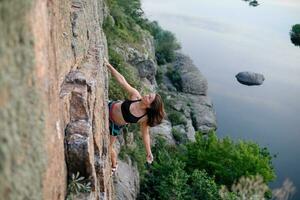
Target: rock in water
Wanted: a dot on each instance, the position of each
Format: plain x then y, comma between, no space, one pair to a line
250,78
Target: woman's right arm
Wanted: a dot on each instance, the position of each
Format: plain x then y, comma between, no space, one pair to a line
122,81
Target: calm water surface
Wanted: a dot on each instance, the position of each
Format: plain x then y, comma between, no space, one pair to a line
226,37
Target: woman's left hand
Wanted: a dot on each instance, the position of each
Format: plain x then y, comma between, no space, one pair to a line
149,158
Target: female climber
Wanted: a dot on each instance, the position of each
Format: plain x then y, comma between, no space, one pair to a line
147,111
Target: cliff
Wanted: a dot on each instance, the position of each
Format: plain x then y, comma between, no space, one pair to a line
53,98
54,93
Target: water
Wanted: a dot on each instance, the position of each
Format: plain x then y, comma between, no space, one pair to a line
228,36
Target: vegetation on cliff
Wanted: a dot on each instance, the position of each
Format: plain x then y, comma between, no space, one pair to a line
197,170
193,170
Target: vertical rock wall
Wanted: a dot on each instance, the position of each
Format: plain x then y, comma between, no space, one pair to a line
53,113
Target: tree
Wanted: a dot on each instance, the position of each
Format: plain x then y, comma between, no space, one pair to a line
295,34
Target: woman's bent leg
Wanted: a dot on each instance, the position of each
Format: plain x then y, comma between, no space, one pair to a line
113,152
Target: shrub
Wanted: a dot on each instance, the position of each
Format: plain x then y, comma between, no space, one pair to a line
250,188
165,47
120,24
165,41
295,34
228,161
166,178
176,118
76,185
159,76
175,78
177,136
137,153
202,186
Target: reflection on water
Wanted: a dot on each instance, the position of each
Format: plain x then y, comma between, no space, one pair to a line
226,37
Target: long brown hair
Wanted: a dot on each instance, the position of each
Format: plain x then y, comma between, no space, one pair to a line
156,112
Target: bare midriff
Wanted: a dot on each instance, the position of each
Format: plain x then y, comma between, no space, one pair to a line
116,113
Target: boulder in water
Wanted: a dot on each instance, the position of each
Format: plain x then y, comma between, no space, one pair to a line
250,78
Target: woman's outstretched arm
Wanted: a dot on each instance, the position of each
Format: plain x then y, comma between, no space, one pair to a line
146,139
122,81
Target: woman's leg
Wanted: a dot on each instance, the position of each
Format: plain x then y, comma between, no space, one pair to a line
113,152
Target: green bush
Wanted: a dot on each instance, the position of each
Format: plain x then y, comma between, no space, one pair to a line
177,136
165,42
175,78
77,184
295,34
159,76
120,25
224,163
203,187
137,153
166,178
228,161
176,118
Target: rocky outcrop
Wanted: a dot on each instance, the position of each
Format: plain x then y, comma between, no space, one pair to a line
53,98
188,96
163,130
142,58
192,81
250,78
126,180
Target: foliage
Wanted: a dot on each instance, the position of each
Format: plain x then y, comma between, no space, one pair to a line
228,161
120,25
77,184
166,178
286,192
137,152
179,138
202,186
165,46
295,34
176,118
250,188
175,78
159,75
165,42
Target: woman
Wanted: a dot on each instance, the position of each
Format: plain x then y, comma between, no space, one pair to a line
146,110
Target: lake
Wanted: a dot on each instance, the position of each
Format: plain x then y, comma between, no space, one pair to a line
229,36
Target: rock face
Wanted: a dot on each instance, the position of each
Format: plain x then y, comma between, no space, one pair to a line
163,130
250,78
142,58
53,83
192,81
190,99
126,180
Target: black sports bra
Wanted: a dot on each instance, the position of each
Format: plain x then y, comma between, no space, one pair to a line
127,116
